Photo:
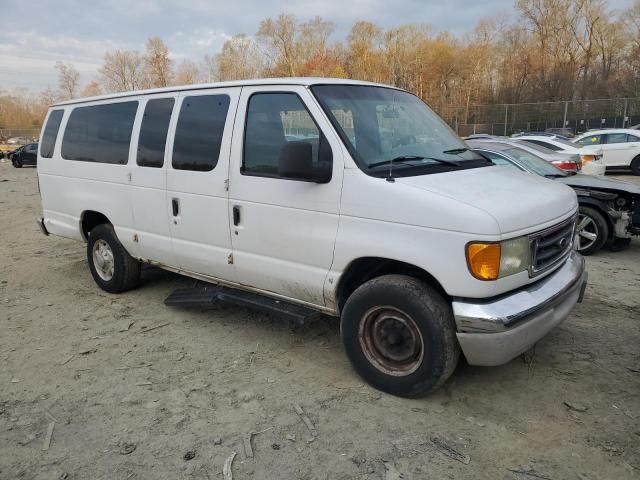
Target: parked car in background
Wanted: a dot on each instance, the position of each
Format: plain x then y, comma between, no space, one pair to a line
18,141
540,134
588,154
561,132
609,209
620,147
25,155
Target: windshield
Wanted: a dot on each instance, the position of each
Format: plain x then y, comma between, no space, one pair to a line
382,125
534,163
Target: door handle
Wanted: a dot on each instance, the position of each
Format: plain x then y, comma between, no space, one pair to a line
236,215
175,206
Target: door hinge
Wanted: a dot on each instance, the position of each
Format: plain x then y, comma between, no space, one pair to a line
230,259
226,185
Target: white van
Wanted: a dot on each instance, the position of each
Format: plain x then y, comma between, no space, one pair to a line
318,195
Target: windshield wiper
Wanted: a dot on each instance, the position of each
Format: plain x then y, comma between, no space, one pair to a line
455,151
406,158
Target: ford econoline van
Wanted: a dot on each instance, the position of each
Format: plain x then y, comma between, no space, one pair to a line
305,195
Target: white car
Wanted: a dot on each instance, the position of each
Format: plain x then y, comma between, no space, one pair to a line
379,216
620,147
591,157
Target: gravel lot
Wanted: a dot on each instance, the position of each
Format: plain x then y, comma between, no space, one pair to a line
138,390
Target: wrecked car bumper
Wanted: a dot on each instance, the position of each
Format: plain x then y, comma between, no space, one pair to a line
494,332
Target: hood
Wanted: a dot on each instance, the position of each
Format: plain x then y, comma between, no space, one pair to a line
599,182
518,201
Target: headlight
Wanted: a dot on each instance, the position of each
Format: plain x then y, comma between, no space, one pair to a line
490,261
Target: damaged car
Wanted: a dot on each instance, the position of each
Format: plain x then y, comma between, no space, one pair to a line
609,212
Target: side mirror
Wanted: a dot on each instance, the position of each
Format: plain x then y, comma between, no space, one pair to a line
296,163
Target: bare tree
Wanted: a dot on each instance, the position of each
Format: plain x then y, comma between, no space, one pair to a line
68,80
187,73
122,71
157,63
279,39
239,59
91,89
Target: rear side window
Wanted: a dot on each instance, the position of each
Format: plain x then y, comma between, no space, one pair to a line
550,146
617,138
153,132
51,133
100,133
199,132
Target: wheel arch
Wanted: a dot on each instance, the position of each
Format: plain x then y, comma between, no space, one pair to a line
363,269
91,219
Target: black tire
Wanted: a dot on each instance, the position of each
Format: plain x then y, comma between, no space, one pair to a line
635,165
598,225
415,303
17,163
126,269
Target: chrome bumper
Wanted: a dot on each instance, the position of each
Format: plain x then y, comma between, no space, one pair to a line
494,332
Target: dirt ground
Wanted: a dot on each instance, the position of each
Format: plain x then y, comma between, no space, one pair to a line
136,388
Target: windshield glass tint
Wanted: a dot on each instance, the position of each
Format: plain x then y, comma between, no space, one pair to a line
379,124
533,163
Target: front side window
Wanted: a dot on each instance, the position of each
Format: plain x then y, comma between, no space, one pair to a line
51,133
153,132
100,133
273,121
383,127
199,132
590,140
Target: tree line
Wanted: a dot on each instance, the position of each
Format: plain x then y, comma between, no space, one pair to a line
552,50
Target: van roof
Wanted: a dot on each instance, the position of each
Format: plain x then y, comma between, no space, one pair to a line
305,81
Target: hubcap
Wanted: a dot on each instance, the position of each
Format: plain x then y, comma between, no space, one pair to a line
391,341
586,232
103,260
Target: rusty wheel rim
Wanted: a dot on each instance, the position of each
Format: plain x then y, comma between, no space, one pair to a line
391,341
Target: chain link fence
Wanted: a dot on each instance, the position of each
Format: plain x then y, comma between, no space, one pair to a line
575,116
19,136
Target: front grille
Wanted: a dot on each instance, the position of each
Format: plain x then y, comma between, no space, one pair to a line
551,246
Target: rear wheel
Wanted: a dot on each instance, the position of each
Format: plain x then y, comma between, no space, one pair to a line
592,230
635,165
399,335
112,268
17,163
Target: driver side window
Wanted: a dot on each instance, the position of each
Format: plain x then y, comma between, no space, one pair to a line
273,121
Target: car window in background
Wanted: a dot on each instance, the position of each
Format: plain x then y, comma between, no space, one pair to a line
536,147
535,164
540,143
499,159
590,140
616,138
633,138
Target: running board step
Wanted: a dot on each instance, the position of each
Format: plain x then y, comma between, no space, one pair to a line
207,296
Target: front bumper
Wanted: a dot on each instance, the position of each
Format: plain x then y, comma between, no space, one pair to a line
494,332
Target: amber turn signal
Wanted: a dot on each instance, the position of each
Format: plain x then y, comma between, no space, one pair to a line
484,260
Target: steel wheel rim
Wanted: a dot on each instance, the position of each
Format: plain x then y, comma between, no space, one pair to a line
103,260
391,341
587,232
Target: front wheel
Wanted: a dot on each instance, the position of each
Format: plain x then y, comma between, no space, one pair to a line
112,268
635,166
592,230
399,334
17,163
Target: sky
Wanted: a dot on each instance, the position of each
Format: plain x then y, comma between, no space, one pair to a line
40,33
